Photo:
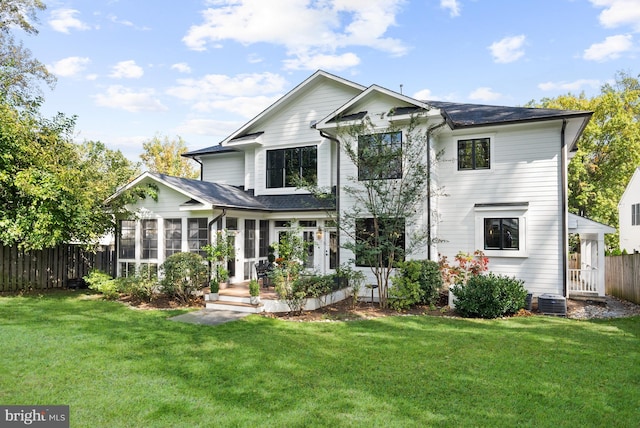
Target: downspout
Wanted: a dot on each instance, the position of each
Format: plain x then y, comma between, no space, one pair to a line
329,137
429,237
564,195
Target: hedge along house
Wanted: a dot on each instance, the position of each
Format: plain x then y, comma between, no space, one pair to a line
503,169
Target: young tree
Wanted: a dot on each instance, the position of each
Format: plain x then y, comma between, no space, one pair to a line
385,219
164,155
608,150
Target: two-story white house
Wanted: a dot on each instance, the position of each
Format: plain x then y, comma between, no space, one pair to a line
504,172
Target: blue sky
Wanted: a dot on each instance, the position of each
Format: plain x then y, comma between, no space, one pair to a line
201,68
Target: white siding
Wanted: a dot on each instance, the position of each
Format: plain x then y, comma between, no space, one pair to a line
224,168
525,167
629,234
291,127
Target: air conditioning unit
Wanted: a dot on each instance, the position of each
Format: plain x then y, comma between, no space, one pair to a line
552,304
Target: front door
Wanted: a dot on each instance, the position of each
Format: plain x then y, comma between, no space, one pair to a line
330,251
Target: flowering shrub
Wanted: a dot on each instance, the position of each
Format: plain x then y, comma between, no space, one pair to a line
467,266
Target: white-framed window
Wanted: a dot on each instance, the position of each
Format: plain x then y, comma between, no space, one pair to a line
501,229
172,236
635,215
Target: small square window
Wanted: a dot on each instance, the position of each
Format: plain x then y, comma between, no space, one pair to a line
474,154
501,234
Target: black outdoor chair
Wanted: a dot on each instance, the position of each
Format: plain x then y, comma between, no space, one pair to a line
262,272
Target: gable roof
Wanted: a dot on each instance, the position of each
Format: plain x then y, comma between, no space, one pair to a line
627,191
317,76
208,195
218,148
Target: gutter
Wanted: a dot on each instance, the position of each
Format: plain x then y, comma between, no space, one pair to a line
564,195
330,137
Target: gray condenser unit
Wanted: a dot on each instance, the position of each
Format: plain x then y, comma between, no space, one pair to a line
552,304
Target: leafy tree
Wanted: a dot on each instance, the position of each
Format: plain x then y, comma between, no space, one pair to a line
383,219
20,73
164,156
608,151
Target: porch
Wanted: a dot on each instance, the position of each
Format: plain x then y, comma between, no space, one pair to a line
236,297
586,278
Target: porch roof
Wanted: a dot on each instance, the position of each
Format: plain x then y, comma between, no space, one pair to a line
583,225
232,197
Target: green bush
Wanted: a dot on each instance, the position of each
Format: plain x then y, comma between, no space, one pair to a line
489,296
141,285
184,273
416,282
103,283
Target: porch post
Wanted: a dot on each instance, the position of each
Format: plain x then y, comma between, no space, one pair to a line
601,264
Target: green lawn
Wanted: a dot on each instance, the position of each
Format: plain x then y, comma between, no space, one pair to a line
118,367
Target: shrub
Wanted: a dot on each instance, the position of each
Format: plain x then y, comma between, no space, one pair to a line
416,281
355,280
184,273
141,285
489,296
103,283
254,288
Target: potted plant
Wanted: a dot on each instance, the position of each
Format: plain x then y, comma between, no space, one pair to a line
254,292
214,285
218,252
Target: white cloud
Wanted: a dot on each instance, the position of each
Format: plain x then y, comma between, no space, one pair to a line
126,70
569,86
619,13
208,127
484,94
63,20
452,5
245,94
322,61
222,86
119,97
612,47
308,30
181,67
424,94
69,67
508,49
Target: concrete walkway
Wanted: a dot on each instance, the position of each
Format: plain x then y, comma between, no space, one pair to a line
209,317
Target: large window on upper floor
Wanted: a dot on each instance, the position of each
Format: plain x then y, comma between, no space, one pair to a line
286,166
474,154
380,156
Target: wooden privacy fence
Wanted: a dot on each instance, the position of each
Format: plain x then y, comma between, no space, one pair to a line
622,277
51,267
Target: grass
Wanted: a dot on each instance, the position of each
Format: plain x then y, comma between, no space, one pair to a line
118,367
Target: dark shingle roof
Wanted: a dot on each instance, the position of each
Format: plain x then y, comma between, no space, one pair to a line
471,115
227,196
210,150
